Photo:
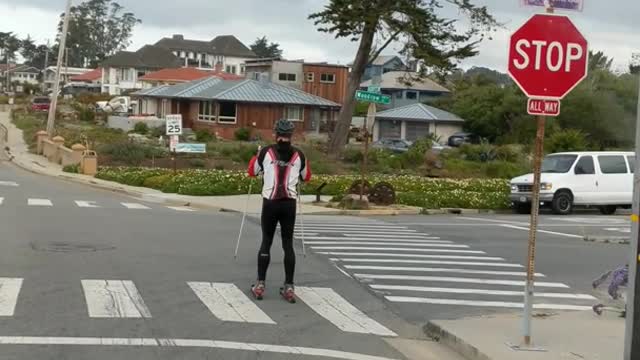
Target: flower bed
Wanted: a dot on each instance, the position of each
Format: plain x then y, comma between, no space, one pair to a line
412,190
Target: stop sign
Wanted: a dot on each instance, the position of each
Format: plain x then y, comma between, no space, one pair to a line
548,57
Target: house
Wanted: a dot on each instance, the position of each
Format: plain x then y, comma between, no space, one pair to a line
20,74
121,72
382,65
415,121
224,106
91,77
181,75
321,79
225,50
66,73
405,89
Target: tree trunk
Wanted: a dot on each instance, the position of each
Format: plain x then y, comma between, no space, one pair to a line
341,132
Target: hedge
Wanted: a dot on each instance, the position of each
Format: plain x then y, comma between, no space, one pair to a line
412,190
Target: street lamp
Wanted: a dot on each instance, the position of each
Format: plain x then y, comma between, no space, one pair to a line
56,85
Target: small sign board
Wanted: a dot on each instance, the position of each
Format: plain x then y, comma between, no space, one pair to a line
575,5
191,148
543,107
173,142
374,89
174,124
370,97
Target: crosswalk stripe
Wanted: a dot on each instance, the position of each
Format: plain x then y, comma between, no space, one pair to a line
481,292
9,290
9,183
392,236
328,238
333,307
458,280
358,230
397,249
444,270
180,208
1,200
408,299
398,243
418,256
432,262
39,202
356,226
87,204
228,303
114,299
134,206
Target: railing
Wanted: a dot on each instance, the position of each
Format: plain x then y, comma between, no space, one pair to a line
4,134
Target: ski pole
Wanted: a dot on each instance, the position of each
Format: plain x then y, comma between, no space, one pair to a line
304,249
244,216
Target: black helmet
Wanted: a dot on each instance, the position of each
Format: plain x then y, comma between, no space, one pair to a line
284,127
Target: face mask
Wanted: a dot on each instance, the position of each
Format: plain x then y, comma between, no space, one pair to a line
284,145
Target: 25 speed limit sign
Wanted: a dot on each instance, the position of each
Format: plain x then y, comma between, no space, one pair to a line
174,124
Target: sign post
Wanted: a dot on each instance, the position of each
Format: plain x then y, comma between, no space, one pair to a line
548,57
373,97
174,130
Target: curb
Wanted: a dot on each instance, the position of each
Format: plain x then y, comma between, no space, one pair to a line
459,211
620,240
455,343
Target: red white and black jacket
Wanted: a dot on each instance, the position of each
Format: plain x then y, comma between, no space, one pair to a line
281,178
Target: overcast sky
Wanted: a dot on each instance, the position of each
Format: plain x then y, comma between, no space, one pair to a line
285,21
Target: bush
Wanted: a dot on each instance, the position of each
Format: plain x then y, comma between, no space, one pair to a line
141,128
456,199
354,156
86,114
197,163
158,182
74,169
156,132
566,140
129,176
204,136
418,150
131,153
243,134
481,152
4,100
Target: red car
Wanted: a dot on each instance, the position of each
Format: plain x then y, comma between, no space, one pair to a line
40,104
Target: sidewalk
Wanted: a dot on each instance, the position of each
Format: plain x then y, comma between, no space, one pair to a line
565,336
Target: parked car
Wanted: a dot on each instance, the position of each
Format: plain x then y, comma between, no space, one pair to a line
437,147
394,145
120,104
457,139
600,179
40,104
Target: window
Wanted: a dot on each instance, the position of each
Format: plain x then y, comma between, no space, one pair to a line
612,164
231,69
207,111
183,54
227,113
191,55
558,164
287,77
632,163
311,77
585,166
328,78
243,69
412,95
293,113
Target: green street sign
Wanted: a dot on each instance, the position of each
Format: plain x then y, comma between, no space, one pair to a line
373,89
371,97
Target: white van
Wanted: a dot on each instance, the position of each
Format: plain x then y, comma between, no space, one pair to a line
600,179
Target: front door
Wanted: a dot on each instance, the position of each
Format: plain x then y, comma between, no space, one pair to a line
585,181
184,110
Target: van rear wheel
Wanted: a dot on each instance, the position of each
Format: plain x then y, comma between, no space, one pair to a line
608,209
562,203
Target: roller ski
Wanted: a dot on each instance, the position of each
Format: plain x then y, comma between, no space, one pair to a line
258,290
288,293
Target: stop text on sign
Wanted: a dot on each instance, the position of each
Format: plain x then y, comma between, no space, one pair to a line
543,107
554,56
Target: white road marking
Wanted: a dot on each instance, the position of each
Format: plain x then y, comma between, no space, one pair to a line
330,227
9,183
298,233
180,208
501,222
426,241
39,202
135,206
481,292
433,262
622,230
186,343
397,249
392,236
419,256
356,226
1,200
87,204
333,307
228,303
114,299
458,280
9,291
544,231
408,299
398,243
343,272
443,270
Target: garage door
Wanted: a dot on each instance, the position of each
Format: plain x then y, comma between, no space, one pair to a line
390,129
417,130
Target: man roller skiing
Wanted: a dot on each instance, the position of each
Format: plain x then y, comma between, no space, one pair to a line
282,166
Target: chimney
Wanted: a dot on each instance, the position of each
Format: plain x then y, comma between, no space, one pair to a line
218,67
178,37
264,79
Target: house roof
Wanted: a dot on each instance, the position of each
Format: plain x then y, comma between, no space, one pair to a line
418,112
185,75
229,45
178,42
92,75
384,59
24,69
398,80
215,88
4,67
69,70
148,56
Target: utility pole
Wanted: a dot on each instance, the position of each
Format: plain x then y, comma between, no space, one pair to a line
46,65
66,65
632,335
56,85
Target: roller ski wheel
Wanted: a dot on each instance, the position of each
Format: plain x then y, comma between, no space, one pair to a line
258,290
288,294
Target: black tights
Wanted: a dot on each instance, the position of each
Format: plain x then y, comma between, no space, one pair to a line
274,212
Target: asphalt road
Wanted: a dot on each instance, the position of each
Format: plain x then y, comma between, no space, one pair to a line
89,274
